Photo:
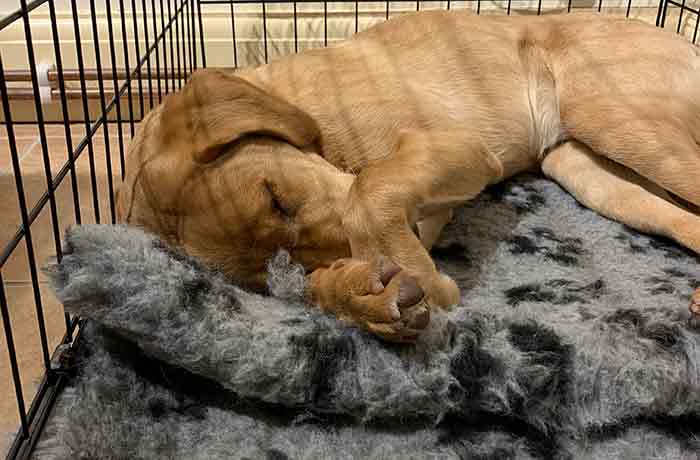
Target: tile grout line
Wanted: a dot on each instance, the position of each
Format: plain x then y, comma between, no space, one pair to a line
24,154
20,283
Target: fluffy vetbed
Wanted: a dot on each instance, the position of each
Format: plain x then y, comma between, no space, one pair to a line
572,341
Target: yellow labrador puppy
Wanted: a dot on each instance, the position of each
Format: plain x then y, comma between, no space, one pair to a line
352,157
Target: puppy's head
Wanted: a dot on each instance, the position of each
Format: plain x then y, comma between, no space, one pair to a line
231,174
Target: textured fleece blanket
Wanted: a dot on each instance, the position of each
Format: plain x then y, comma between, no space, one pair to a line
571,341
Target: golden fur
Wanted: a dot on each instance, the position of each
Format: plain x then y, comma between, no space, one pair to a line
352,157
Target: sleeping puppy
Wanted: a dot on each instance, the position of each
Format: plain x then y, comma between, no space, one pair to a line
351,158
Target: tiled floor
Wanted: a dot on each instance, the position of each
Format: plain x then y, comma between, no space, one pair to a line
15,272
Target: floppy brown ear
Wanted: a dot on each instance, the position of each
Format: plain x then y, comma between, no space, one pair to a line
216,108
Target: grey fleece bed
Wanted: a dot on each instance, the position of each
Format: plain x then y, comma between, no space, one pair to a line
571,341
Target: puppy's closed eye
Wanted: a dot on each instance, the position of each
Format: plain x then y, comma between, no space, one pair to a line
277,201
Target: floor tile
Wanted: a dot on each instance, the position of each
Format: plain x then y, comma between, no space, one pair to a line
16,272
23,317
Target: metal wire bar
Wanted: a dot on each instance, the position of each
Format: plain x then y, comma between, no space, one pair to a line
148,56
115,85
7,326
64,111
165,50
172,50
181,18
201,33
264,19
19,184
12,17
20,190
126,65
137,48
296,33
86,113
682,6
663,19
661,10
130,77
177,32
194,38
226,2
85,142
357,16
189,34
66,130
32,421
105,127
60,122
39,410
325,23
680,17
233,36
39,112
155,33
179,39
49,388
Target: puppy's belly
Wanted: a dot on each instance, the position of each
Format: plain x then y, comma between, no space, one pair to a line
546,128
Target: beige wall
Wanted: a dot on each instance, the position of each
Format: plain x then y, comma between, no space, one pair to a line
249,26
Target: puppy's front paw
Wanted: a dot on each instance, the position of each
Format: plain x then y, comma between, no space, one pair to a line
377,296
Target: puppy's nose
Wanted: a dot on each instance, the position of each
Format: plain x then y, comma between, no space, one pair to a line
410,292
387,271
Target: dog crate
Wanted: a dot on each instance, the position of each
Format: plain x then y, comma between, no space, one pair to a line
75,79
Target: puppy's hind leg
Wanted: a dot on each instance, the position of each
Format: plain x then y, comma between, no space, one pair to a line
618,193
658,137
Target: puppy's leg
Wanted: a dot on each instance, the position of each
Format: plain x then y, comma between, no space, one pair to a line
618,193
428,171
656,137
429,229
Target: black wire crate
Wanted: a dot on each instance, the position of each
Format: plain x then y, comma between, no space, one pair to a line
76,77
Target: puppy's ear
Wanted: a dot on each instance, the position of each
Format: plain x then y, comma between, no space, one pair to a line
216,108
